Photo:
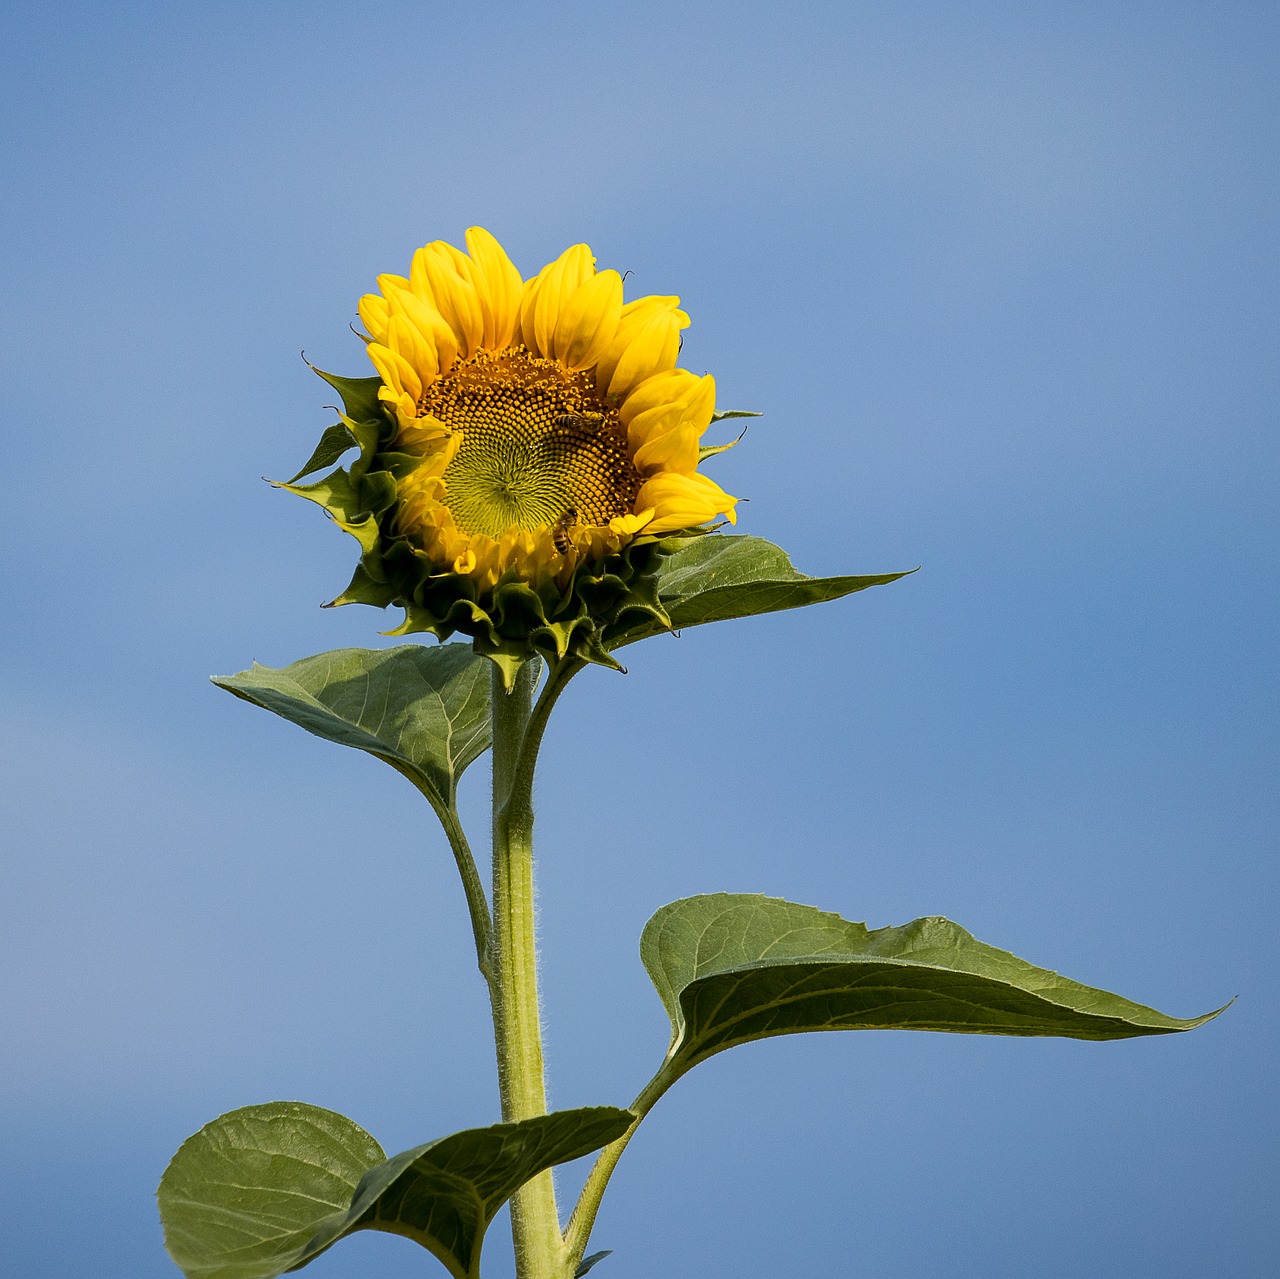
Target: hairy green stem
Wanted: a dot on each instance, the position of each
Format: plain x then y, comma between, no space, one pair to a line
535,1222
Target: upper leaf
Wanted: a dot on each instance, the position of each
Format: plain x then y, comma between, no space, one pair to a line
735,967
425,711
266,1189
720,576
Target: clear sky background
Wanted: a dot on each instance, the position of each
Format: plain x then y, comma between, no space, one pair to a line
1002,278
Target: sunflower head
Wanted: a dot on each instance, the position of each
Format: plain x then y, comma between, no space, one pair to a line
528,451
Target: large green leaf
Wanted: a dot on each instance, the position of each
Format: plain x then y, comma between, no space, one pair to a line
735,967
445,1194
245,1196
424,710
718,577
265,1189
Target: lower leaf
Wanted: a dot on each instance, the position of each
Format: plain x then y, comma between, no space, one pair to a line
266,1189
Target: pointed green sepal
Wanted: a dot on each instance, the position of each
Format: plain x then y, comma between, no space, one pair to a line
359,394
713,450
336,441
364,589
338,493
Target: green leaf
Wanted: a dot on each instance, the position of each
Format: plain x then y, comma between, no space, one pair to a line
424,711
336,441
723,415
245,1196
444,1195
731,968
266,1189
718,577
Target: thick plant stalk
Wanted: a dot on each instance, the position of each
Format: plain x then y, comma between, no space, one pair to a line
535,1222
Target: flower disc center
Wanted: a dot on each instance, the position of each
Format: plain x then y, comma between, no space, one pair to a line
539,445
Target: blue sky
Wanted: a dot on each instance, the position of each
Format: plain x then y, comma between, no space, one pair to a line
1002,279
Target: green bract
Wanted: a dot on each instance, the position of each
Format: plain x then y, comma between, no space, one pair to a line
509,624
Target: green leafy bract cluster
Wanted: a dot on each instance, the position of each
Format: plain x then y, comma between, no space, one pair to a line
509,624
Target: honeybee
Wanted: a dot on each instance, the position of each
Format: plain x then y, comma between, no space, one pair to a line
585,423
560,531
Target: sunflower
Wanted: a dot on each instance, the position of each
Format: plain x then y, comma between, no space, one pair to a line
536,443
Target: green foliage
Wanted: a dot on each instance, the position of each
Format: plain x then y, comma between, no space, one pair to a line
265,1189
731,968
425,711
719,577
245,1197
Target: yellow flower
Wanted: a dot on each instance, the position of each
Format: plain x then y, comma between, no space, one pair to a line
527,453
548,420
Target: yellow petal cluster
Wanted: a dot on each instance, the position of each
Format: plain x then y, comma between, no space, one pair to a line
551,422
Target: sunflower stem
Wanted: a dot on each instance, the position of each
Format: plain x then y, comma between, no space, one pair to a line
535,1221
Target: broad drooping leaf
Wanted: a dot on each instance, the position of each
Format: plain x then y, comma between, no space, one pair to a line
425,711
265,1189
718,577
245,1196
735,967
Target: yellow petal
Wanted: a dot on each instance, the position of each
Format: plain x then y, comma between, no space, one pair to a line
406,340
404,405
673,450
627,524
395,370
635,315
434,328
424,434
418,281
498,285
389,283
455,297
654,349
588,321
563,278
657,392
373,315
693,408
528,304
683,501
